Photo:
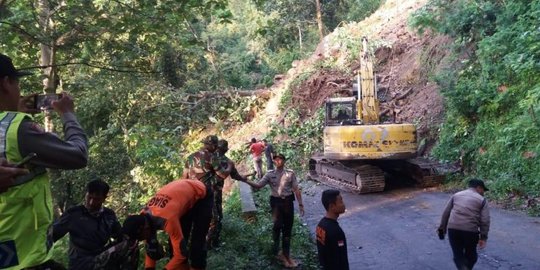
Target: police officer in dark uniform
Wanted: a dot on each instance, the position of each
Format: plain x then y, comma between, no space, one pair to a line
90,227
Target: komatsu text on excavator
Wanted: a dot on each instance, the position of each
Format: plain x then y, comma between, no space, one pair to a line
358,148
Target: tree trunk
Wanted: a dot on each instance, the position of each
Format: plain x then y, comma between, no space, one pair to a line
300,36
262,93
50,83
319,19
47,56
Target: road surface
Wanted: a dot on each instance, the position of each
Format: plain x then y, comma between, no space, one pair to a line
396,230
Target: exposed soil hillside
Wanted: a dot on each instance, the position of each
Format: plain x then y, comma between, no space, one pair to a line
404,61
403,66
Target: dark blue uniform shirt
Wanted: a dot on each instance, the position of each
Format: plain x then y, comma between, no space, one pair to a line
88,234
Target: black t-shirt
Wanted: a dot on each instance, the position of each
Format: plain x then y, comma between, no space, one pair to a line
331,245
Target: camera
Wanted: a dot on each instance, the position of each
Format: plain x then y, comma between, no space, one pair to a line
440,232
44,101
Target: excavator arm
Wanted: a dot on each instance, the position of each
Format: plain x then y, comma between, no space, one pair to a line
367,102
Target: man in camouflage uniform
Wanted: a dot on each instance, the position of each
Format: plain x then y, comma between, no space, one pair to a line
122,256
199,165
225,168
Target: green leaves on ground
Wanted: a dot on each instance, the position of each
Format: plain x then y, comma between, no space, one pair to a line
247,245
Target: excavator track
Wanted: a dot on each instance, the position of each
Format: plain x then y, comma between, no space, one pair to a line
425,172
362,178
359,177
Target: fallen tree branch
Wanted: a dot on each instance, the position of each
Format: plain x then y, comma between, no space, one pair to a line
403,95
281,118
384,112
264,93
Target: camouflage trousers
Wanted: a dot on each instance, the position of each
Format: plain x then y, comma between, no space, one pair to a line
212,239
122,256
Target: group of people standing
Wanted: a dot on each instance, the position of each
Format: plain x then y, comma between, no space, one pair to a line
189,209
257,149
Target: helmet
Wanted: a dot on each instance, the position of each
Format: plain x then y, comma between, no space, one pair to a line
210,139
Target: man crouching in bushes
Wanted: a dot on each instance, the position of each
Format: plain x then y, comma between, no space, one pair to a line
179,208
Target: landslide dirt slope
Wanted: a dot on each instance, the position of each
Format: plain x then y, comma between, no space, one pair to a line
404,62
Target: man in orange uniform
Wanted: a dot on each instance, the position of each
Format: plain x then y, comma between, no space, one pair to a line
178,208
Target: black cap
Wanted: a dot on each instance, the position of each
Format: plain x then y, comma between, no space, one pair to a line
223,144
280,156
133,226
7,68
210,139
477,183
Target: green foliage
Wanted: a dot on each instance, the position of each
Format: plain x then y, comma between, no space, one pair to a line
493,98
299,141
336,12
465,19
60,249
350,46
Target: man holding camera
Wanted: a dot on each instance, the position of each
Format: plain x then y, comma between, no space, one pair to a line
466,217
26,203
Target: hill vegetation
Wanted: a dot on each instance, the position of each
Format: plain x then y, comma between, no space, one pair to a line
492,92
150,79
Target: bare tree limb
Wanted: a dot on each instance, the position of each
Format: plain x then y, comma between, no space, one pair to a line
90,65
190,27
281,118
23,32
403,95
264,93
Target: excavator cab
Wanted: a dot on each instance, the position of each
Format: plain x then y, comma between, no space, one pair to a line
341,111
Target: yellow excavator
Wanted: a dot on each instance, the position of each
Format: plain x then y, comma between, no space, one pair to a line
358,148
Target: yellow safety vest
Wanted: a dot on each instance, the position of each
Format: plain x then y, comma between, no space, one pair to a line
25,210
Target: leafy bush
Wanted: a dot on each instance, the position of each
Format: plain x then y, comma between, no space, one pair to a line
493,99
247,245
299,141
468,20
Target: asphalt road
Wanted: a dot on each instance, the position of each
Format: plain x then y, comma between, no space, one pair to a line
396,230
